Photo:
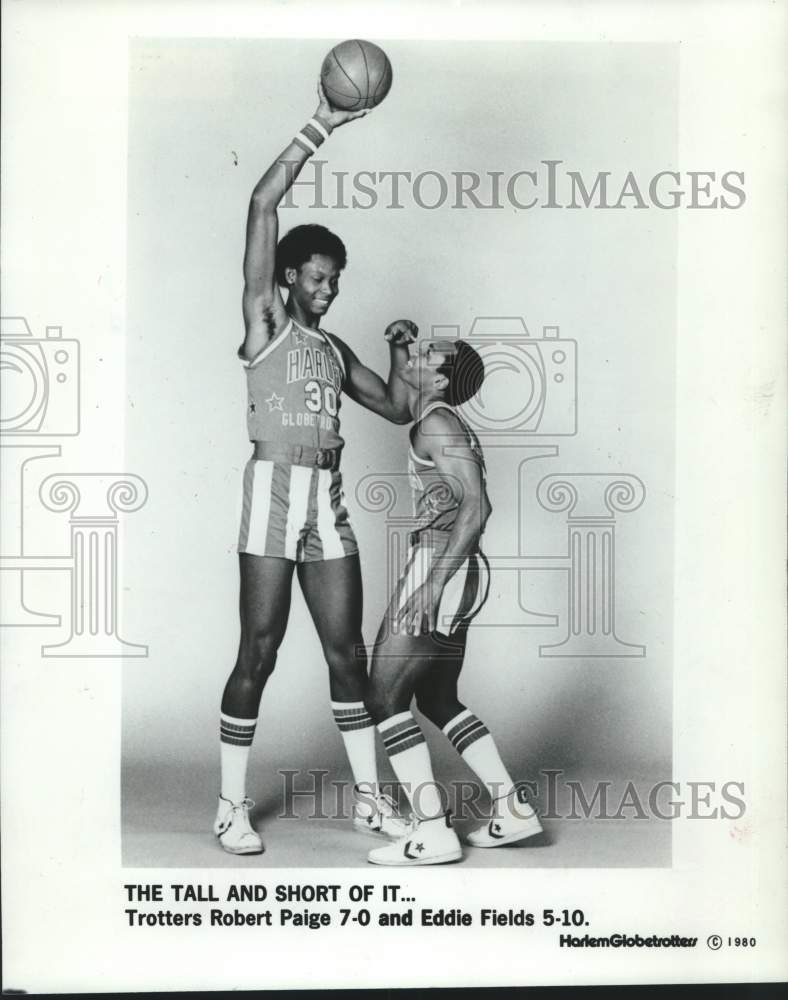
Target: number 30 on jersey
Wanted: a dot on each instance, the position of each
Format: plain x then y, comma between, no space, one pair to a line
319,397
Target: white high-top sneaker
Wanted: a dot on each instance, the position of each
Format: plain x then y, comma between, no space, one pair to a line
429,842
383,820
232,827
513,820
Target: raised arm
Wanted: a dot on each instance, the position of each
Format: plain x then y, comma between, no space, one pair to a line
388,399
439,433
263,306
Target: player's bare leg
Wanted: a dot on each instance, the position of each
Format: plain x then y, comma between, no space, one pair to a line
399,662
512,818
333,594
429,667
264,608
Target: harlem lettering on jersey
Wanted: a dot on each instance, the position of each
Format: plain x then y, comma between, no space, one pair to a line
305,363
294,388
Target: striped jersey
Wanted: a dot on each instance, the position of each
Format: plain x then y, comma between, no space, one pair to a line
435,502
293,386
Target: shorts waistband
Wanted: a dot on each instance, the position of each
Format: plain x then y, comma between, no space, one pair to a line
297,454
429,536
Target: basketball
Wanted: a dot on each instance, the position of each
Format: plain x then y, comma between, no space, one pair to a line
356,75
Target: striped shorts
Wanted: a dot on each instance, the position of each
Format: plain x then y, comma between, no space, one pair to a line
463,596
294,512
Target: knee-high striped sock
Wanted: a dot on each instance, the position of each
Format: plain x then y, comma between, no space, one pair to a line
472,740
410,759
236,737
358,734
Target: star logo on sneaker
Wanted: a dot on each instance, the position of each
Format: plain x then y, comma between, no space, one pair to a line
370,820
497,827
495,830
419,848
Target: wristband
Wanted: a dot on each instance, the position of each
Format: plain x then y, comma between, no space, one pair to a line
312,135
316,123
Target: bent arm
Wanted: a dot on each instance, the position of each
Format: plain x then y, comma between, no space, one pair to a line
388,399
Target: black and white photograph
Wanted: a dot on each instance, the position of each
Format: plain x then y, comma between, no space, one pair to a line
393,524
448,455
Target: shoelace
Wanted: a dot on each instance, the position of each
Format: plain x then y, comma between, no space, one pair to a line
243,807
389,803
410,822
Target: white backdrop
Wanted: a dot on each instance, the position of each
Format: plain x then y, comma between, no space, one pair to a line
206,117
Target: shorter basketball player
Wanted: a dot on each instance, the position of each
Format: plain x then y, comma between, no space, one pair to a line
421,643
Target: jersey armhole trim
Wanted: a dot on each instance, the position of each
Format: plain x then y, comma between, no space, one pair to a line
438,405
412,451
419,459
269,347
468,433
329,338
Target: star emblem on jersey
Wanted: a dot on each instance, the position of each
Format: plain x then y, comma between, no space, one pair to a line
274,402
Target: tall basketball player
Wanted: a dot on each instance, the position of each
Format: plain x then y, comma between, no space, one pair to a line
293,514
420,648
